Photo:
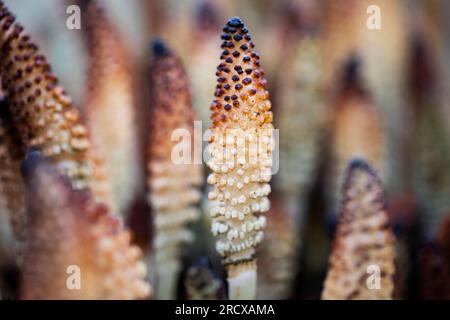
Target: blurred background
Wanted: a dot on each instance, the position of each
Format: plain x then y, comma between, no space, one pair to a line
339,89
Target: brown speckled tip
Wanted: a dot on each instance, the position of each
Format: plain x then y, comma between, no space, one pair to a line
358,166
174,188
351,78
240,80
42,112
240,187
363,238
103,41
170,109
160,49
170,98
67,229
11,184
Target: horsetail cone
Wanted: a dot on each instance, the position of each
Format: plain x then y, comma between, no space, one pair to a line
241,157
43,113
356,130
429,140
70,234
109,107
174,187
361,265
302,116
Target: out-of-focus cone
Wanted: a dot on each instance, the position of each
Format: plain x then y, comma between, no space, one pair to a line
355,130
75,248
384,52
341,34
203,60
278,254
43,114
362,261
429,145
302,115
173,184
109,107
